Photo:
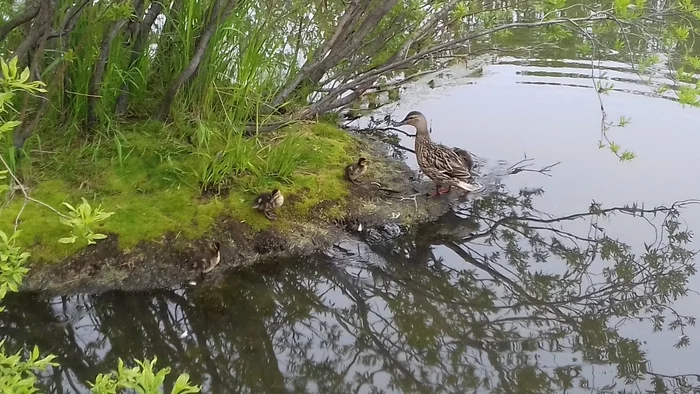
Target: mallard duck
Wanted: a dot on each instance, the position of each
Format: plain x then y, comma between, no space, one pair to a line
268,202
210,258
354,171
441,164
465,156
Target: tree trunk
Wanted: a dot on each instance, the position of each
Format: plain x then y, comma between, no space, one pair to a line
140,37
98,71
31,12
215,18
42,28
37,30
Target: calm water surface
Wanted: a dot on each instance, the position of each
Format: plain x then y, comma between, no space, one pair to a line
524,291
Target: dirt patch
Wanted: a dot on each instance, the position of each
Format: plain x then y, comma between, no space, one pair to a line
389,197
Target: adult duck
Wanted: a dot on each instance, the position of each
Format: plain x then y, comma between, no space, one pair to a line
441,164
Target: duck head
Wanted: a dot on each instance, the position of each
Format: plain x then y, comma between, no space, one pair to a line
415,119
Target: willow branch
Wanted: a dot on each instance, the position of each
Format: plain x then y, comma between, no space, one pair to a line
31,12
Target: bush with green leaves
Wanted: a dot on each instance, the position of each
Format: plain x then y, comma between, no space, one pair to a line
18,373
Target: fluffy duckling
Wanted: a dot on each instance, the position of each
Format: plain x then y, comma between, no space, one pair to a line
466,157
354,171
268,202
210,258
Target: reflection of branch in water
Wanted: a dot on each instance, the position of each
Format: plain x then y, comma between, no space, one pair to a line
510,285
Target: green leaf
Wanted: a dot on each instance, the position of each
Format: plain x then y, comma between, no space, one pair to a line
5,69
9,126
24,76
12,74
68,240
182,386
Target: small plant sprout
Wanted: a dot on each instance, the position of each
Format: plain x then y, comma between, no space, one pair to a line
81,220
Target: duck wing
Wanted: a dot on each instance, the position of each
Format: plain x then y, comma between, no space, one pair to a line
450,164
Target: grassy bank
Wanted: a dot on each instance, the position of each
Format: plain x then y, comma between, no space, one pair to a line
180,183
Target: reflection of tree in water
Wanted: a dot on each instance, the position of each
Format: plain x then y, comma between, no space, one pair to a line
530,306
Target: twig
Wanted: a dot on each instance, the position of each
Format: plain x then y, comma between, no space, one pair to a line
26,196
396,130
412,198
517,167
386,189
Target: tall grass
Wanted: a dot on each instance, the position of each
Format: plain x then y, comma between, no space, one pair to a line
265,160
245,65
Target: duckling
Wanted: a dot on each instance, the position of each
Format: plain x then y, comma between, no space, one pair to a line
354,171
210,258
466,157
268,202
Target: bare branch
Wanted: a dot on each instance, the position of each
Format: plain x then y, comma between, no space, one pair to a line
524,166
30,13
26,195
70,19
441,47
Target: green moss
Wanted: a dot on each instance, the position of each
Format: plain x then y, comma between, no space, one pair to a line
150,177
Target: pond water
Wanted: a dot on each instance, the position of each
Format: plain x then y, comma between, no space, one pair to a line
527,290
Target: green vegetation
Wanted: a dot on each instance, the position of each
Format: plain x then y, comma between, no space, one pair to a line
139,118
17,375
167,115
156,186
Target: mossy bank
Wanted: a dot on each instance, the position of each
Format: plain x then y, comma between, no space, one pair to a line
167,206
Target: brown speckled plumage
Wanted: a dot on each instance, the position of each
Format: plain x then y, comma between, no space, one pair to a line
210,259
354,171
268,203
441,164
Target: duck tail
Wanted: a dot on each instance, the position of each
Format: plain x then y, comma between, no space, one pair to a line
467,186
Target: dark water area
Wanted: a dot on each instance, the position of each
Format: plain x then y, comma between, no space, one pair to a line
545,282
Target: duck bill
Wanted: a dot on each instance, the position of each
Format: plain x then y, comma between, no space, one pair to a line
400,123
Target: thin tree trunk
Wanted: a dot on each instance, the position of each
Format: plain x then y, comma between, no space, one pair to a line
141,33
22,133
215,18
98,72
70,19
41,22
31,12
